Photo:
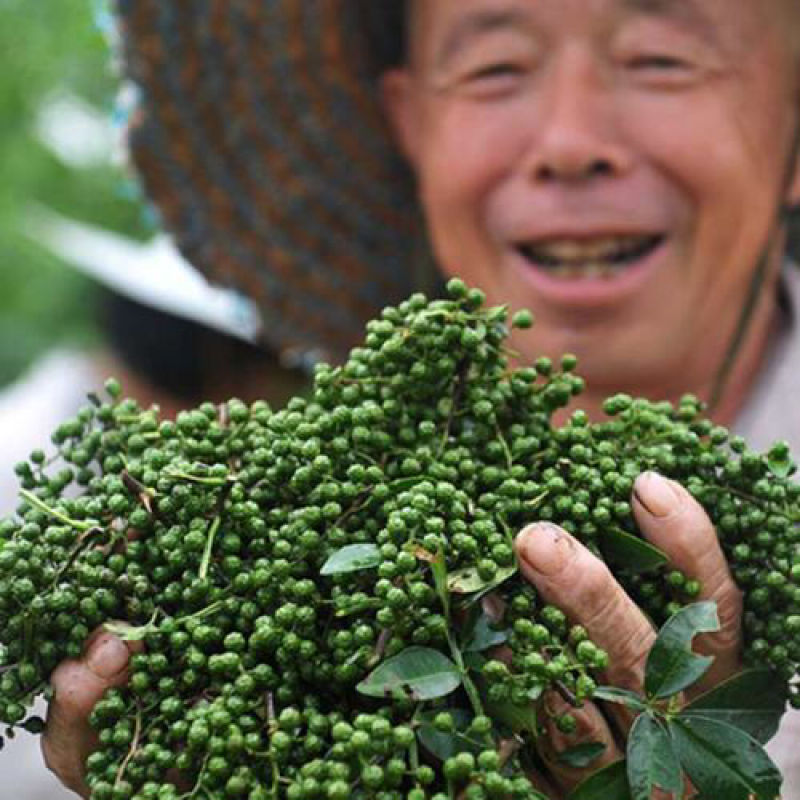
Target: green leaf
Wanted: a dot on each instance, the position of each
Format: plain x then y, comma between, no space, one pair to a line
582,754
752,701
352,558
520,719
445,744
629,552
651,760
418,673
723,761
625,697
671,664
484,636
467,580
609,783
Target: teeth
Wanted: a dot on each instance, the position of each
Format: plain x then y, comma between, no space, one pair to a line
585,271
598,251
595,250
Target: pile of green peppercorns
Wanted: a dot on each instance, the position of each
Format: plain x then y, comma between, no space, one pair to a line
274,563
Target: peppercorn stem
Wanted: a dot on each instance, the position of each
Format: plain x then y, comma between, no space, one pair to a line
137,730
216,605
750,499
212,532
539,499
42,506
358,504
413,755
566,694
200,479
455,397
76,551
130,634
504,445
472,691
198,786
439,569
469,685
272,722
127,419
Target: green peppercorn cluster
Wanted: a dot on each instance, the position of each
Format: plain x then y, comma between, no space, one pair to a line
211,536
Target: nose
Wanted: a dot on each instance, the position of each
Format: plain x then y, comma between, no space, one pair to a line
577,136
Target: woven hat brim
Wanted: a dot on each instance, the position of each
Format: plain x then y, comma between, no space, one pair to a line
259,138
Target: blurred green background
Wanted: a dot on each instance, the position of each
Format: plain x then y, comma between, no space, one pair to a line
49,50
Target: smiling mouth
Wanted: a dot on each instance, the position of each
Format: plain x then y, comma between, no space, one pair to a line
601,257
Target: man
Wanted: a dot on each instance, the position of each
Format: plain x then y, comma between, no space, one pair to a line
621,167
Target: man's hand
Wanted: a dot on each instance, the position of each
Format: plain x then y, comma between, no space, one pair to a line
68,739
569,576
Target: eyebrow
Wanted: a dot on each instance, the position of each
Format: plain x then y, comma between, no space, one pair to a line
474,25
687,13
684,11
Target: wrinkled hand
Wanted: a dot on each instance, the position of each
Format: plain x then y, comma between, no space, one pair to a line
569,576
78,685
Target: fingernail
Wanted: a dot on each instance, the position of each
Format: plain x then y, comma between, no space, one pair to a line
545,547
555,704
558,741
107,657
656,494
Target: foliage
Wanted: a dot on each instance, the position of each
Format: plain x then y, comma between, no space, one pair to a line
714,742
47,48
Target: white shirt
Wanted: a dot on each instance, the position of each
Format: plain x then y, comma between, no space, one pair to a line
773,413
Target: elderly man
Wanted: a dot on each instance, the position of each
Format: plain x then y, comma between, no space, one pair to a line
621,167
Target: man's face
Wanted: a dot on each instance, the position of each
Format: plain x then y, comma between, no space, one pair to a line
614,165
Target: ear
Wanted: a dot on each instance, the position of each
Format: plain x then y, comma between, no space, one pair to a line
793,194
400,98
793,188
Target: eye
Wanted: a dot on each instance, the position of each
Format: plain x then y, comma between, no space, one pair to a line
493,66
498,70
493,79
657,61
663,70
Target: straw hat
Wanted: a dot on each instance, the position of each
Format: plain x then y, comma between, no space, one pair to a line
259,137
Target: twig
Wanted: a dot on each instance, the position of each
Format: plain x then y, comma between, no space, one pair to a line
137,730
42,506
212,533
